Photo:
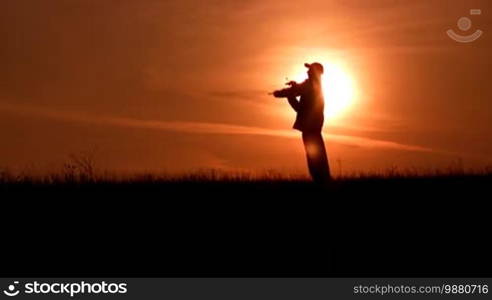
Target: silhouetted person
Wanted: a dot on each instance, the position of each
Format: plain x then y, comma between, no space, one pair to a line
309,120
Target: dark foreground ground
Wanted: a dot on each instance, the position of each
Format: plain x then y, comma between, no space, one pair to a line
425,226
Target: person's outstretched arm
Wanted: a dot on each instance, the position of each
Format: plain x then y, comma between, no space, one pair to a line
291,94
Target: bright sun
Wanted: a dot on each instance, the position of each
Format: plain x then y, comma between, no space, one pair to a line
338,89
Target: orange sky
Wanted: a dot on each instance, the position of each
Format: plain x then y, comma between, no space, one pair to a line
182,85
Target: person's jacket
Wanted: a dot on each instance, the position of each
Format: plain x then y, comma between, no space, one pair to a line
309,107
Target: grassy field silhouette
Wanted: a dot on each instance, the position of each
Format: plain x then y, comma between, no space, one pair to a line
390,183
395,222
81,169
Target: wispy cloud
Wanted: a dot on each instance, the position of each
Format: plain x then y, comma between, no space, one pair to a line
199,127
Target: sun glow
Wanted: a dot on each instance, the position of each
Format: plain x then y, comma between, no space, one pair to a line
338,88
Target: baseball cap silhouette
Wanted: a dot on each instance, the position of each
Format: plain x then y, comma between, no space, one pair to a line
315,66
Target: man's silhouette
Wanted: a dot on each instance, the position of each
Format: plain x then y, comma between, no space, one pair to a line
309,120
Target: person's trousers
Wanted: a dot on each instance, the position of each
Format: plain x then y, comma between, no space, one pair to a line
316,156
